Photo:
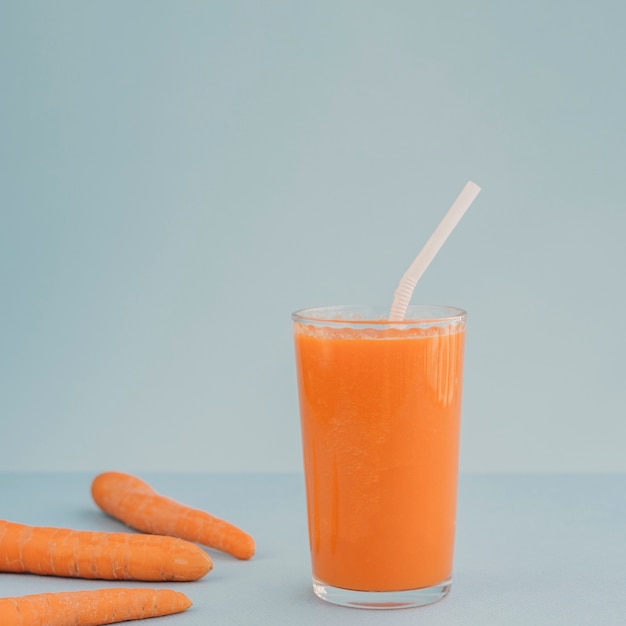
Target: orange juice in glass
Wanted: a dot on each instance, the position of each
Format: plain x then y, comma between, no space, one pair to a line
380,408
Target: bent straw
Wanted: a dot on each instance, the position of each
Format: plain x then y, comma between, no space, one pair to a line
404,291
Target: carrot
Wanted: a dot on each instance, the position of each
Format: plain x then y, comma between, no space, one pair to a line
138,505
90,608
102,555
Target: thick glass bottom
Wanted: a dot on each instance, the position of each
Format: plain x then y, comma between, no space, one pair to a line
381,599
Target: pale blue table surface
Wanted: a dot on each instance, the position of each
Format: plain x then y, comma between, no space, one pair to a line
531,549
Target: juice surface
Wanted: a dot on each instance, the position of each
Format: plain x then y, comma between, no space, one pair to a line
380,416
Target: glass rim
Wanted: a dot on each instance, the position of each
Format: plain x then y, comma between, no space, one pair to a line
415,314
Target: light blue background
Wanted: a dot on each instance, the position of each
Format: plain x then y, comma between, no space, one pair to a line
177,177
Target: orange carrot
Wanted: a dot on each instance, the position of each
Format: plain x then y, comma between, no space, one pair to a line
107,556
137,504
90,608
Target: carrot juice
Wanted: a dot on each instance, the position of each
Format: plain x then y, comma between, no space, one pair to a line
380,406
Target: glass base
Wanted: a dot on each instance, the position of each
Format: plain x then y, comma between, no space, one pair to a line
381,599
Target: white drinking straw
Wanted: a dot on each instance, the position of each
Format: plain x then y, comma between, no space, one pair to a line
402,295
